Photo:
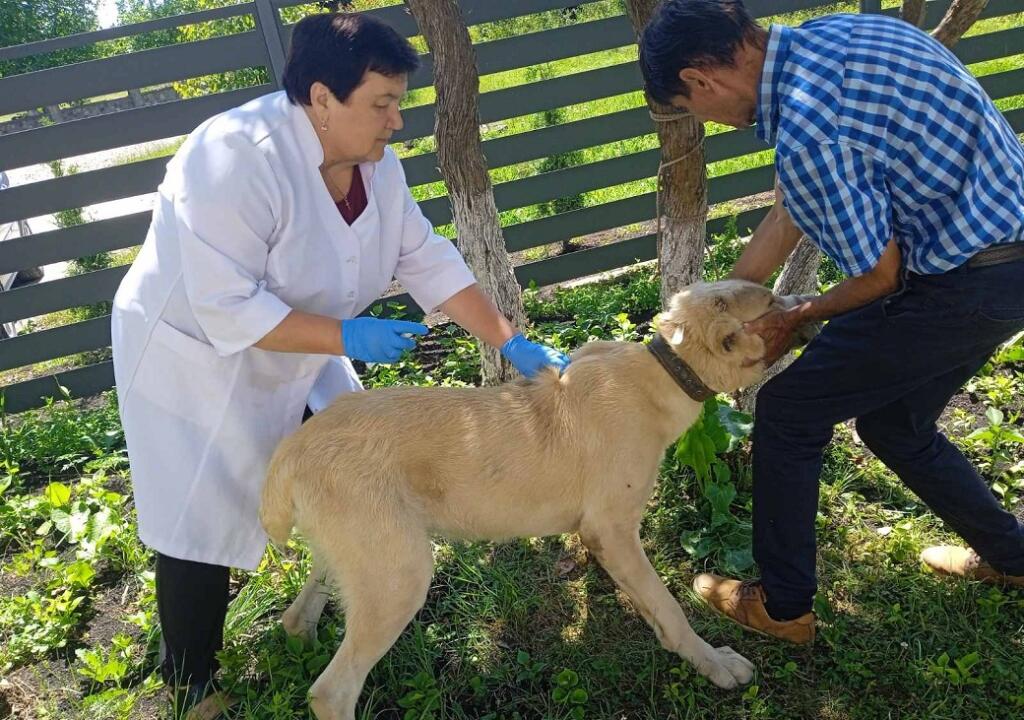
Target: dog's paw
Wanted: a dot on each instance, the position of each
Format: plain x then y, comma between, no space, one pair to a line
726,668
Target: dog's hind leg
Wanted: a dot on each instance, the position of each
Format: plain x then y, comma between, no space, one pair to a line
383,581
302,616
619,551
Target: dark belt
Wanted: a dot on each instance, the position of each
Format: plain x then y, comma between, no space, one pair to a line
997,254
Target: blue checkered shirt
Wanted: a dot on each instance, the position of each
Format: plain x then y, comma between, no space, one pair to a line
880,133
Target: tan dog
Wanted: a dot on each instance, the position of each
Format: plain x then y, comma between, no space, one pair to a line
369,480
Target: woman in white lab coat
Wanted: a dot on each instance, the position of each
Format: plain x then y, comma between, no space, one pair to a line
277,223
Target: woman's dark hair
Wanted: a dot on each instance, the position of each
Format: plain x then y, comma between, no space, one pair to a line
338,49
691,34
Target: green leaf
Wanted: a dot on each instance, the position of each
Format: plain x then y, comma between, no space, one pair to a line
722,472
696,544
994,416
967,662
57,494
720,495
62,521
79,521
737,423
738,560
293,644
79,573
567,678
713,428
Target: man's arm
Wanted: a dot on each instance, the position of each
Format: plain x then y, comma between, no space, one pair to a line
772,242
777,327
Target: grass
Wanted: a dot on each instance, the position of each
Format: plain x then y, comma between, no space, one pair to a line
528,628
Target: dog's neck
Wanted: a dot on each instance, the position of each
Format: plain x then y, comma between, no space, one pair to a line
677,368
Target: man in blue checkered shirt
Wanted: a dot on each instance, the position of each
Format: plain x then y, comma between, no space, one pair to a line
894,162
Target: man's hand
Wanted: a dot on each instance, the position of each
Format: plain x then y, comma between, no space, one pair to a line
778,329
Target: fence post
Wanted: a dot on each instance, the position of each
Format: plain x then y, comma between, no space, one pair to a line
871,6
268,23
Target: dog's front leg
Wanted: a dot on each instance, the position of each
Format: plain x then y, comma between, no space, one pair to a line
301,617
620,553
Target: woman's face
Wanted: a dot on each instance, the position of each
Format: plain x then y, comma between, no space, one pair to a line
360,128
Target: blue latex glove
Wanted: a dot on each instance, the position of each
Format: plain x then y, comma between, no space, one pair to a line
529,358
379,341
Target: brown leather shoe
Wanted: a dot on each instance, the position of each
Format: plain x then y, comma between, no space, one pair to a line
743,603
954,560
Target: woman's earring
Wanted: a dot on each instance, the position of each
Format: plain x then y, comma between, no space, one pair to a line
323,125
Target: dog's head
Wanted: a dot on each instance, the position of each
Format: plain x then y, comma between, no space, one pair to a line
704,326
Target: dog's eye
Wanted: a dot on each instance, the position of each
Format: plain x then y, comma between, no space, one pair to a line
728,341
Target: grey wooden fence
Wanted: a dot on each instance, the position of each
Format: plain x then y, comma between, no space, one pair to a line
264,46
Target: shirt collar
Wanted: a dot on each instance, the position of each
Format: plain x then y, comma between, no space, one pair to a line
312,150
776,53
309,142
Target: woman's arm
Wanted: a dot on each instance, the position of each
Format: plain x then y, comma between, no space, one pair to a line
302,332
477,314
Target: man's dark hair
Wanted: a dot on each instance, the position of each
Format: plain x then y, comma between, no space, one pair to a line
691,34
338,49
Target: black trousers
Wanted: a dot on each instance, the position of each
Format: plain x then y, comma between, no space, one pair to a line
192,602
893,365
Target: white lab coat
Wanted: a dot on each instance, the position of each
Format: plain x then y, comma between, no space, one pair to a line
243,231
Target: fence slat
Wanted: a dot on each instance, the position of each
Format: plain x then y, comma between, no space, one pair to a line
54,246
41,47
81,190
1004,84
47,297
935,9
990,46
56,342
534,97
118,129
540,47
610,257
1016,119
134,70
80,382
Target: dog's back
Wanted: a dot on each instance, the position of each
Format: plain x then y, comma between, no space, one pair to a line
445,454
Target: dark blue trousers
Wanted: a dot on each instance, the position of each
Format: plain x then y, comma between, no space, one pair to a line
893,365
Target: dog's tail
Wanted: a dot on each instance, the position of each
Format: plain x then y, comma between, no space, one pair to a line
277,509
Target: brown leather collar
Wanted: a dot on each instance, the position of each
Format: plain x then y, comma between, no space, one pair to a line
682,373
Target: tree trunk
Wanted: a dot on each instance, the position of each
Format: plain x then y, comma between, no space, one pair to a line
683,205
913,12
958,20
464,168
798,277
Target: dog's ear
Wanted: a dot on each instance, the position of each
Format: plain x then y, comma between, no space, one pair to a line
672,330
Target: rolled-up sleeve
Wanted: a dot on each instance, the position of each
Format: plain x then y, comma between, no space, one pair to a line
430,267
838,196
226,213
